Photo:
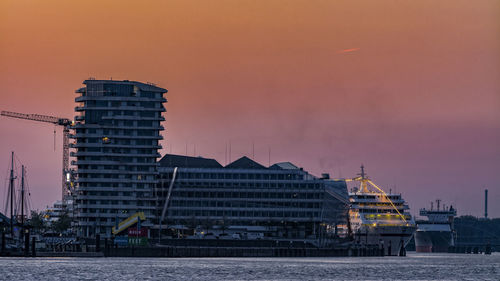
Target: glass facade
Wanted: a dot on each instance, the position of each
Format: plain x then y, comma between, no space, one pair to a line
116,138
281,203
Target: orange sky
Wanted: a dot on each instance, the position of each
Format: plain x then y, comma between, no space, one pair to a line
409,88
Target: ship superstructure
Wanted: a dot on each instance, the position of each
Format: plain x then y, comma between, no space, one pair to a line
436,234
379,218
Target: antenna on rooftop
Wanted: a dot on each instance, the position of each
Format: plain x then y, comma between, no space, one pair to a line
269,157
170,157
253,151
186,158
225,155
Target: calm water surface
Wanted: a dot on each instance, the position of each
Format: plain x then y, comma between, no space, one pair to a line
414,267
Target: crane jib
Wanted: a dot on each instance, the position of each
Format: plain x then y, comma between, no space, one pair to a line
59,122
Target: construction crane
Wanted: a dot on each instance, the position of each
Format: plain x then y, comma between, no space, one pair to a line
65,123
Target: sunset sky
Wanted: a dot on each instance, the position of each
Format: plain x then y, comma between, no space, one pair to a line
411,89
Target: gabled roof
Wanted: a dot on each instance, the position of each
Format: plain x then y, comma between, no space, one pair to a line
244,163
284,166
171,160
4,219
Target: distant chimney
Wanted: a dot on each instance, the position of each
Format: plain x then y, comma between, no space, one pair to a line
486,203
325,176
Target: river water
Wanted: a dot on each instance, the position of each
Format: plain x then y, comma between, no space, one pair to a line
413,267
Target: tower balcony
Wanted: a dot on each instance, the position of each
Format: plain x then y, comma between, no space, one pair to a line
83,144
111,162
119,154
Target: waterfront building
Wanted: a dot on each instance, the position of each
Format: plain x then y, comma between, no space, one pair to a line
116,138
282,201
56,211
4,222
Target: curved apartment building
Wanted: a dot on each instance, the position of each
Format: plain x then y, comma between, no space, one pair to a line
116,141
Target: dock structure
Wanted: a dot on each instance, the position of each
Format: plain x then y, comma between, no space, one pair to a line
189,251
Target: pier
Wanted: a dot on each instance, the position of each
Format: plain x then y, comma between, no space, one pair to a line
175,248
187,251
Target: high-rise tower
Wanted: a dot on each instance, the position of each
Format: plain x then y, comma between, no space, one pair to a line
117,135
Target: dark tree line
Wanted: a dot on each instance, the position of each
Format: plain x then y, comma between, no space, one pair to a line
39,224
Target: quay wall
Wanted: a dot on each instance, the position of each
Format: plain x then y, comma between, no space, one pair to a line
180,251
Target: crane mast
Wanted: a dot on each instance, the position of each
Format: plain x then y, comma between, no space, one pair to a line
63,122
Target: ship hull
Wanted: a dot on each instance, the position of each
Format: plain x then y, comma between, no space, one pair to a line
391,238
433,241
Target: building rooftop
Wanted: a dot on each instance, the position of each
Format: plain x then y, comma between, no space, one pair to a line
4,219
181,161
149,87
284,166
171,160
245,163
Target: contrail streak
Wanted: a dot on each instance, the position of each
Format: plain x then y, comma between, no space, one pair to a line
348,50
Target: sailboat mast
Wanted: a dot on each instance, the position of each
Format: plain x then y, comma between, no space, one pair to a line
11,187
22,195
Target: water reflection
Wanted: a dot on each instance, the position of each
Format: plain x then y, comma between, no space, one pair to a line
413,267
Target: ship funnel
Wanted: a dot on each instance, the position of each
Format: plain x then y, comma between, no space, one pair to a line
486,203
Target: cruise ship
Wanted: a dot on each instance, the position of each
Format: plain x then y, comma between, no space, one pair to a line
379,218
436,234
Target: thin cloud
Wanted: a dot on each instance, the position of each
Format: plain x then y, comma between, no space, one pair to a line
348,50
